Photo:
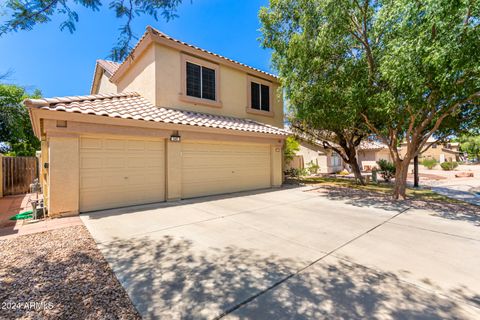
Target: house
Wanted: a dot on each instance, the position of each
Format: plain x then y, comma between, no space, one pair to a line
313,152
369,152
446,151
171,122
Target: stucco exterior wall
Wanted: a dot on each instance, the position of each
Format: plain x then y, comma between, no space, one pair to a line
277,164
105,86
233,89
437,153
140,77
318,155
63,175
370,157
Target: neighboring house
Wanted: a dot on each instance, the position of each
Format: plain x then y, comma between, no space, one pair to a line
327,160
448,151
172,121
371,151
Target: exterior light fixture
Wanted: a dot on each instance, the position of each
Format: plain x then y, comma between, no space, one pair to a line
175,137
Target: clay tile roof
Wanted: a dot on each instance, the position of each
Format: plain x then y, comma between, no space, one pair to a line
371,145
109,66
133,106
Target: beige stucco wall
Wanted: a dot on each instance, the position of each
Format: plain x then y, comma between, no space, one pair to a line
435,153
105,86
64,176
277,164
370,157
140,76
318,155
157,75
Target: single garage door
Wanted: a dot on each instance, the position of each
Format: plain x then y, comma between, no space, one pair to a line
215,168
120,172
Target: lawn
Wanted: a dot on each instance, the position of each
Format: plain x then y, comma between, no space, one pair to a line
380,188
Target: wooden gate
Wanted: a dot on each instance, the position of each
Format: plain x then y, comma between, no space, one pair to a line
18,173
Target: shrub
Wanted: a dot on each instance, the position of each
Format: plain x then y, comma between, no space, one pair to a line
312,167
429,163
295,173
343,172
386,169
448,166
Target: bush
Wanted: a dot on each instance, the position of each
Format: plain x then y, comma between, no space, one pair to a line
429,163
343,172
448,166
295,173
312,167
386,169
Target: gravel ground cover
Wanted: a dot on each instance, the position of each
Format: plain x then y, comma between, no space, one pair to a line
59,274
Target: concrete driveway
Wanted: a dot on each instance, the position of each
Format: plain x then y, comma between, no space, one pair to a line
291,254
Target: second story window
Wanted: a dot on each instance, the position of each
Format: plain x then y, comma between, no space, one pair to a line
200,82
260,96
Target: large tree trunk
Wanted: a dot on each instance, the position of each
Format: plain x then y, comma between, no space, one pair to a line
352,161
416,178
400,189
356,171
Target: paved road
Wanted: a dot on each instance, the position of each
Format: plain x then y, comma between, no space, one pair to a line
292,254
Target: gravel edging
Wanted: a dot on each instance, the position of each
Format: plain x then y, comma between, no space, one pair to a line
64,273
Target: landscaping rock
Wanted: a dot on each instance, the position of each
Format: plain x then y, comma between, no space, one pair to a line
64,273
464,175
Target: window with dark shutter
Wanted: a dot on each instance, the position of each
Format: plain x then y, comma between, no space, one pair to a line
193,80
200,82
260,96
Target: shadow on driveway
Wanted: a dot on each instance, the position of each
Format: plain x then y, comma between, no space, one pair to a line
362,198
167,277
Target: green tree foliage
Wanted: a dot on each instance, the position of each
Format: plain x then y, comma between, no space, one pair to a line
16,133
470,145
323,75
407,66
292,146
24,15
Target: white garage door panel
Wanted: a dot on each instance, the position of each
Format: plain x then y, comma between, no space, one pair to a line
215,168
120,172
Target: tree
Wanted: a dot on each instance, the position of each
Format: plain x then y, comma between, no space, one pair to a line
324,78
470,145
24,15
292,146
415,64
425,58
16,133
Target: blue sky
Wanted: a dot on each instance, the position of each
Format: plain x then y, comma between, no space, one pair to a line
59,63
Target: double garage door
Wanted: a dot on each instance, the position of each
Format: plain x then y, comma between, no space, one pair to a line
121,172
